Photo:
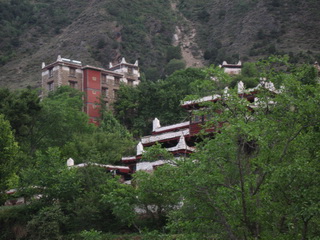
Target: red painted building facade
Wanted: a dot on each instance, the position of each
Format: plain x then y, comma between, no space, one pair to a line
99,85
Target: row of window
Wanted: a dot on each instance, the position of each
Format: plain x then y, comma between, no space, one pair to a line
74,84
72,73
104,80
95,106
105,93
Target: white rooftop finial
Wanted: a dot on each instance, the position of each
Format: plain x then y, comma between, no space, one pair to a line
59,59
155,124
240,63
43,64
224,63
136,63
110,65
182,142
70,162
140,149
240,87
225,92
123,60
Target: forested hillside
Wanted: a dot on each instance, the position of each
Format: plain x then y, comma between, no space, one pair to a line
246,29
158,33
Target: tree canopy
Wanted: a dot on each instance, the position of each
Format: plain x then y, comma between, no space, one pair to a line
8,156
137,107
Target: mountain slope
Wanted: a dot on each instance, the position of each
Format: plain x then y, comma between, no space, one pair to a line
99,31
249,29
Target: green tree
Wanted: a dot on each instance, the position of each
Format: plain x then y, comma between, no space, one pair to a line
106,144
122,199
50,177
137,107
8,156
47,223
174,65
88,212
249,76
76,192
98,147
148,202
22,109
156,152
61,118
257,177
156,193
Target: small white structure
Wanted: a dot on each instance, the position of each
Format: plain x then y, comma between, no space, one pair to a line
70,162
232,69
240,87
140,148
155,124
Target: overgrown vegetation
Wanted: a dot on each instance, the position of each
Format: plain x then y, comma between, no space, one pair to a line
256,178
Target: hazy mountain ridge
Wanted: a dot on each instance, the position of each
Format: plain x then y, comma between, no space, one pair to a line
96,32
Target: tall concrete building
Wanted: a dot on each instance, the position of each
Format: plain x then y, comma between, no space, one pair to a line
96,83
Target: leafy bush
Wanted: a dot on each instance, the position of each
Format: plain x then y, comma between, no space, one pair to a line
47,224
91,235
13,221
174,65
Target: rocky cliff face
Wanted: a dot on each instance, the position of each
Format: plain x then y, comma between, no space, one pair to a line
98,31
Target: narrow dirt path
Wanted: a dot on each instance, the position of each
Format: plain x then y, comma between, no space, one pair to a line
185,37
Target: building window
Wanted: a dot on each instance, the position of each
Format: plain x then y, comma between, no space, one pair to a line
130,70
94,78
73,84
116,81
115,93
104,92
72,72
50,72
103,79
130,82
50,86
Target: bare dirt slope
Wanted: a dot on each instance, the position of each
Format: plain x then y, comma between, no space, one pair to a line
185,37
